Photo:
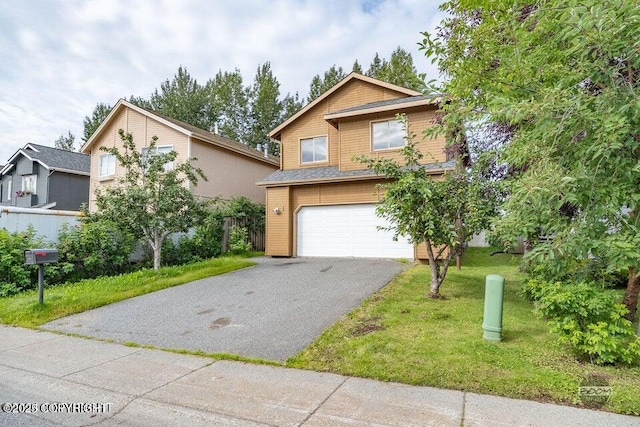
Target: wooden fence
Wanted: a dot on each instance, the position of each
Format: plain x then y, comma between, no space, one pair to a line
255,231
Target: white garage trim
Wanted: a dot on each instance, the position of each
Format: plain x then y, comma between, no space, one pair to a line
347,231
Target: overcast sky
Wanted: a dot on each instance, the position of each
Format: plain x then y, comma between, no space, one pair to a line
61,57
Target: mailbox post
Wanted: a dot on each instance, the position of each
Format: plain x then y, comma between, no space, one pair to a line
40,257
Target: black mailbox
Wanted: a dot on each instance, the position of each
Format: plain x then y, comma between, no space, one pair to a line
40,256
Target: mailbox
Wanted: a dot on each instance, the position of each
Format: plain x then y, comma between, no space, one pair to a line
40,256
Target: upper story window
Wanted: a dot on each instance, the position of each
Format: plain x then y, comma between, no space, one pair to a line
159,149
313,149
107,165
387,134
29,183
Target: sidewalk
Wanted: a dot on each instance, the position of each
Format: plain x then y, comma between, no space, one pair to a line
120,385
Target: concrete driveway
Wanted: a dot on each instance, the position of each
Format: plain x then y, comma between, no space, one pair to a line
271,311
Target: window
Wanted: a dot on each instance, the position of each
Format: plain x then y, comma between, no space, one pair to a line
107,165
9,189
159,149
387,134
313,149
29,184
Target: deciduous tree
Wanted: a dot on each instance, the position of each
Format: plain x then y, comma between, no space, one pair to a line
66,142
266,107
321,84
151,200
182,98
91,124
441,213
564,77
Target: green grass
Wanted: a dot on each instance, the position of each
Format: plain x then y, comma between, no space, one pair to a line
63,300
401,335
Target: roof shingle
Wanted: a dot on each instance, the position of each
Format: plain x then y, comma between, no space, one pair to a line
333,173
55,158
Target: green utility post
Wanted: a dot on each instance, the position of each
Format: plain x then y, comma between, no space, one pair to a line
493,297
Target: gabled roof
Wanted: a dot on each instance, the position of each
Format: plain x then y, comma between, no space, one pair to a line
53,159
352,76
186,129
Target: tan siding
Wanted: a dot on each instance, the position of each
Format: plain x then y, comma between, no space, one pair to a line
312,123
108,138
355,138
309,125
229,174
137,127
278,239
142,130
168,136
358,92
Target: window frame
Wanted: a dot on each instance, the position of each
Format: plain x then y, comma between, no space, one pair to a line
110,165
167,166
313,139
9,188
25,183
388,142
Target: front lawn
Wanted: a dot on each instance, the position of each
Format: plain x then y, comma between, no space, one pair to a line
59,301
400,335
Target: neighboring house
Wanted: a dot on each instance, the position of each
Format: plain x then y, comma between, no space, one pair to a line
321,202
38,176
231,168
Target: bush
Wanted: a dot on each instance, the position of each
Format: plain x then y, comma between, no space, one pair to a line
545,264
205,242
588,318
95,248
14,275
239,240
206,239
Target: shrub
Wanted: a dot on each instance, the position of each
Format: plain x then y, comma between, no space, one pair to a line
239,240
588,318
545,264
95,247
14,275
205,241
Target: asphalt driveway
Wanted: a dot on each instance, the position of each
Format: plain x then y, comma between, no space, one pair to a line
271,311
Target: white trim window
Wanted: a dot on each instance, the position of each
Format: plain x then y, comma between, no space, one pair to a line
9,189
387,135
313,149
159,149
29,183
107,165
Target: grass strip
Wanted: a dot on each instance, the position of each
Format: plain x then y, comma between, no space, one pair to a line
63,300
401,335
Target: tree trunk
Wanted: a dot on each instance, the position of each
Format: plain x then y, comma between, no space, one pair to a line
630,299
438,272
434,289
157,251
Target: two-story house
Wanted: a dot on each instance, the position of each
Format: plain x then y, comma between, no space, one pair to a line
231,168
37,176
321,202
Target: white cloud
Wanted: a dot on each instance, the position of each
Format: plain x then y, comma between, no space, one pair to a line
65,57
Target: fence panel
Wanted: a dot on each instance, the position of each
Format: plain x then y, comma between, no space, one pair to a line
256,233
46,222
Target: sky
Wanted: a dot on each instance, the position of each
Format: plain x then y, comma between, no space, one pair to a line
59,58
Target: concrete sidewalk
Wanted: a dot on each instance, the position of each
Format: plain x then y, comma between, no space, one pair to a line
130,386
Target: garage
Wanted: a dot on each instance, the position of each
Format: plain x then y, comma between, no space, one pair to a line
347,231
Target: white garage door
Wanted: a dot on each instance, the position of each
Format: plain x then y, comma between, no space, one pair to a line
347,231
